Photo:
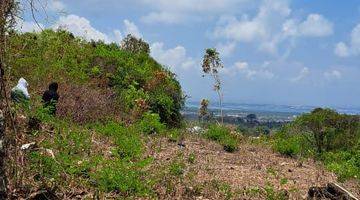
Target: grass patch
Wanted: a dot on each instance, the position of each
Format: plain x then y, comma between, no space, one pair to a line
177,168
81,159
222,135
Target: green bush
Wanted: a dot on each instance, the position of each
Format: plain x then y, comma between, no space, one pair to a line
289,147
174,135
121,176
150,123
127,139
96,71
328,136
222,135
59,56
230,144
344,163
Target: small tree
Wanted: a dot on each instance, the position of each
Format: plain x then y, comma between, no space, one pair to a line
329,129
204,111
211,65
135,45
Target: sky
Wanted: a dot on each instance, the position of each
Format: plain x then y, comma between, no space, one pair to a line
289,52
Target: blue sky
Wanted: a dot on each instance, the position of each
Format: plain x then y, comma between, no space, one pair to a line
300,52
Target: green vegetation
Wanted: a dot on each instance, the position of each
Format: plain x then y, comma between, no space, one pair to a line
88,70
326,135
125,104
75,153
222,135
121,96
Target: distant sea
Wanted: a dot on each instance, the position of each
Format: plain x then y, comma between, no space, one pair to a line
263,111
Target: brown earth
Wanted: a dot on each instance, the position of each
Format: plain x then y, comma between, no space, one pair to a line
252,172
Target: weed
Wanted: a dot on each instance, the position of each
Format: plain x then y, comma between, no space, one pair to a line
283,181
150,124
174,135
177,168
192,158
222,135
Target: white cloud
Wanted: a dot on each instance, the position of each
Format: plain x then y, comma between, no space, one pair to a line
226,49
56,5
263,28
333,74
131,28
302,75
118,37
173,12
353,48
175,58
80,27
316,26
342,50
243,68
163,17
25,26
271,26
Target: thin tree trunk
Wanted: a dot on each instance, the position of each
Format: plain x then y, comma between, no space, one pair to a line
220,105
3,179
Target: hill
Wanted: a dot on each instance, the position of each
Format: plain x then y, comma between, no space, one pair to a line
118,133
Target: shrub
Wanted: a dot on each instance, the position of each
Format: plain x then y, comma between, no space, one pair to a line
174,135
222,135
96,71
230,144
150,123
93,67
331,137
330,130
344,163
127,139
289,147
84,104
121,176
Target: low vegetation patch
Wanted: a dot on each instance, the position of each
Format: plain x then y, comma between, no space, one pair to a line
326,135
222,135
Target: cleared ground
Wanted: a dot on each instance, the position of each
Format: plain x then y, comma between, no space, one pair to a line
252,172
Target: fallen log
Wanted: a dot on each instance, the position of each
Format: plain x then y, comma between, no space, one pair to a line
332,191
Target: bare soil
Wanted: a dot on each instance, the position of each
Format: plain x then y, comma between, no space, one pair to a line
253,172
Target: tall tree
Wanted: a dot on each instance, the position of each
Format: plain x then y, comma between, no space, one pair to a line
135,45
8,13
211,66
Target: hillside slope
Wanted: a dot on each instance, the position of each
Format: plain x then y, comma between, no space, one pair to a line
252,172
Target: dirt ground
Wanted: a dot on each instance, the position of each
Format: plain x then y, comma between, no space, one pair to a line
252,172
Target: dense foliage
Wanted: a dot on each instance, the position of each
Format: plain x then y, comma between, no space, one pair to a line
134,80
327,135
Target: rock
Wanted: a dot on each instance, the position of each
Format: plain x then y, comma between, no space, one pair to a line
27,146
50,153
195,130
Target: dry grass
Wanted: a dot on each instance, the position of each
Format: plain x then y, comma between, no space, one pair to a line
253,166
84,104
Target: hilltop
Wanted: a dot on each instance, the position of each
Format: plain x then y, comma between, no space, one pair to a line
118,133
